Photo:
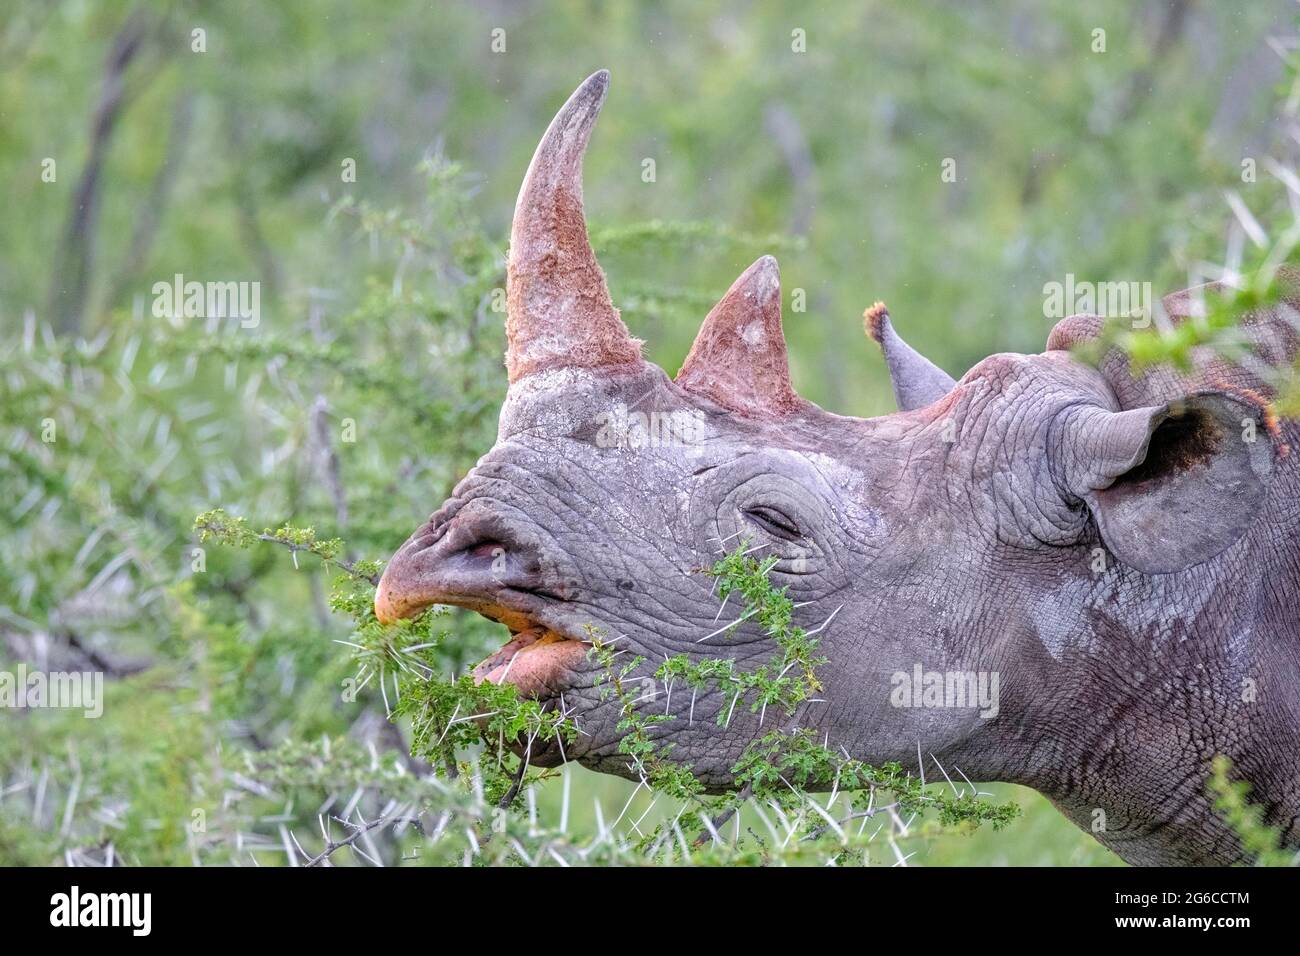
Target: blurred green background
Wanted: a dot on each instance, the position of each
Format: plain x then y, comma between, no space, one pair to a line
818,132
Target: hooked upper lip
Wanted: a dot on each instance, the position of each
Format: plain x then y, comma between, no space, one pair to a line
466,561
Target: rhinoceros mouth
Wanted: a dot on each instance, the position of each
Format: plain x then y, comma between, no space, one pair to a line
547,650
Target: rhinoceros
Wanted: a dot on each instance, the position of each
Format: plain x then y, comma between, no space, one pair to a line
1119,554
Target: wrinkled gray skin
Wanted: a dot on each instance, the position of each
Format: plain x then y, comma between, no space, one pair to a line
959,535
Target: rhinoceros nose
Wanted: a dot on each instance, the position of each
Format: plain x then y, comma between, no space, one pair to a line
467,560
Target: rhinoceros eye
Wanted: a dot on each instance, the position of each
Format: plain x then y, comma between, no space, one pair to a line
774,522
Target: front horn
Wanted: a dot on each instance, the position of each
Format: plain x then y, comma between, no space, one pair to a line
558,310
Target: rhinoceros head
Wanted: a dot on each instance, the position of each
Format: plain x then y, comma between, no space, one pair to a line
968,532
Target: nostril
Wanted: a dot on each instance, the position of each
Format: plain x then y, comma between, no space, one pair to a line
494,555
484,550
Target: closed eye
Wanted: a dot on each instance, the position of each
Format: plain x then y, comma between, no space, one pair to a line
774,523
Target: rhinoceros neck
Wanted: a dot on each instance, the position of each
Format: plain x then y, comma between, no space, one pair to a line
1163,674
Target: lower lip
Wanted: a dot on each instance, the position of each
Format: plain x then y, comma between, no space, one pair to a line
535,660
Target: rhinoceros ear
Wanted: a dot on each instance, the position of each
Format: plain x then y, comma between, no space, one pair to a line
1171,485
917,381
739,358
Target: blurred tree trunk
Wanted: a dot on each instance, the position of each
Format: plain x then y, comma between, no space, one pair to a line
74,261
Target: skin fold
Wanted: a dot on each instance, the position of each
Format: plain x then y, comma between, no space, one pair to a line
1122,553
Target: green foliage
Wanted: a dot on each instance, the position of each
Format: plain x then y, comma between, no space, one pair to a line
782,764
1215,328
781,768
1261,843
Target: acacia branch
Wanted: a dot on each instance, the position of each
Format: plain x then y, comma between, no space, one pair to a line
358,831
233,531
349,566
